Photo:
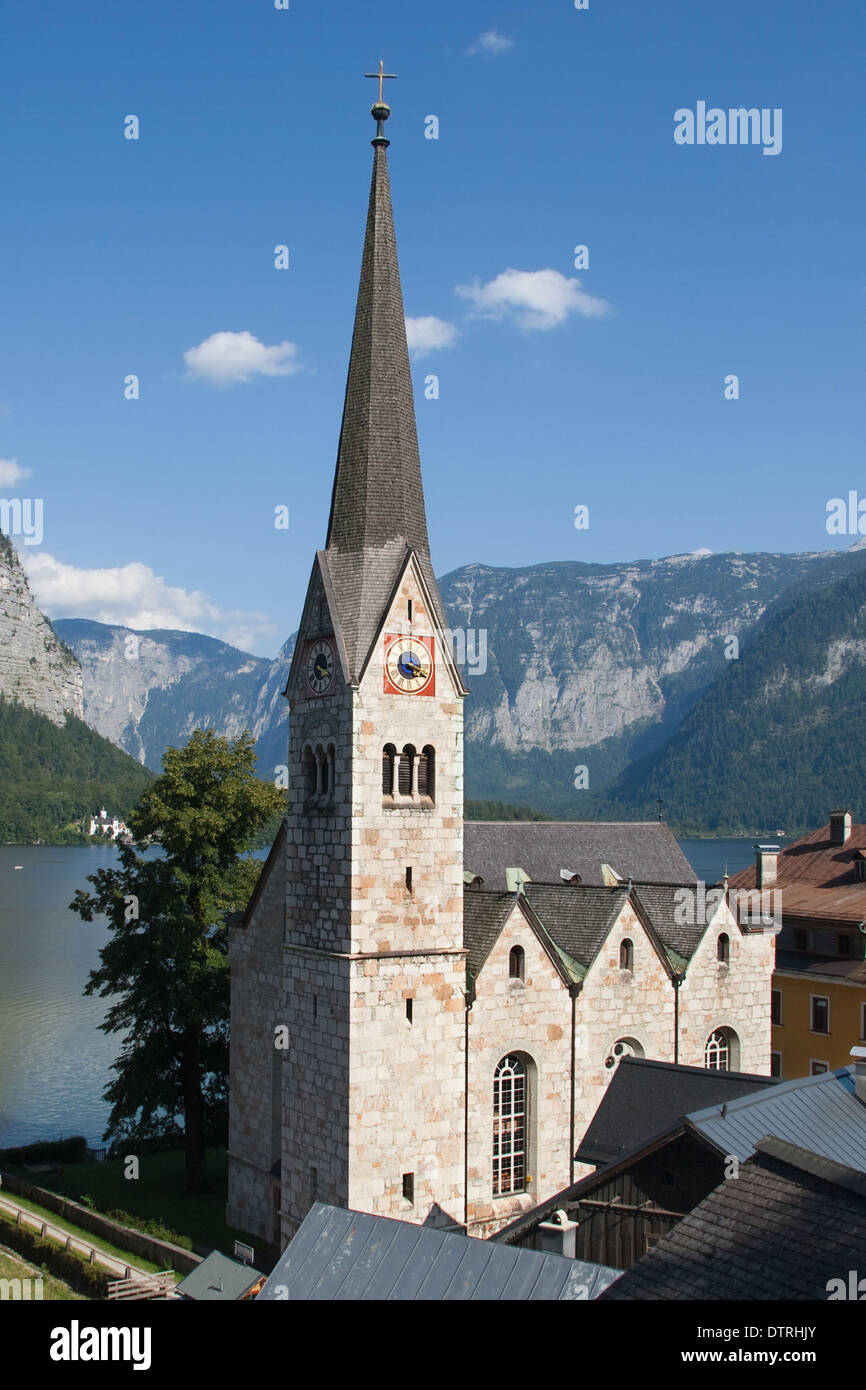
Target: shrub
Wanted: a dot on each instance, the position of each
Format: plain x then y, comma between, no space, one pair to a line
72,1150
150,1226
64,1264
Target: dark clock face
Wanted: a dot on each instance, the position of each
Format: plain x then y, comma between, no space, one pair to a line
321,665
409,665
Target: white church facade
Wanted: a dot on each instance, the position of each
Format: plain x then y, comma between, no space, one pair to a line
419,1030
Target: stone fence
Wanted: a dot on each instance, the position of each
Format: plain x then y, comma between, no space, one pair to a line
160,1252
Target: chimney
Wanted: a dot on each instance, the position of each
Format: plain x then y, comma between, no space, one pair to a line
766,858
840,827
858,1061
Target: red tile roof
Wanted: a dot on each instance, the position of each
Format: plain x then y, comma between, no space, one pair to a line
817,877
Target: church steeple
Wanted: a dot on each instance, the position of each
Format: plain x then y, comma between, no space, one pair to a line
377,504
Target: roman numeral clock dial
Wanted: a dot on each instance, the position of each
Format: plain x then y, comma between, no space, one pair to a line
321,664
409,666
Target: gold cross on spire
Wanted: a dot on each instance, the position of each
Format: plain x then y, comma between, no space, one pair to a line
383,77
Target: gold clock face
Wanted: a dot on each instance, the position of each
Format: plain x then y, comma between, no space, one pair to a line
321,665
409,664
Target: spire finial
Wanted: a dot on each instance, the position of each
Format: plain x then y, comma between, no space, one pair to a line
380,110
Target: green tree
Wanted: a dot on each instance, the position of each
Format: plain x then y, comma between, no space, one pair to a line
166,966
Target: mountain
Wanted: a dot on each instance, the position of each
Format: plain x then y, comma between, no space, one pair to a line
56,774
36,669
779,740
594,666
146,690
584,665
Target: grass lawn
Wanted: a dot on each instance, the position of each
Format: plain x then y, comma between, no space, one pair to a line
12,1266
159,1194
96,1241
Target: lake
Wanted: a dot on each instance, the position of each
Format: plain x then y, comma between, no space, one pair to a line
54,1061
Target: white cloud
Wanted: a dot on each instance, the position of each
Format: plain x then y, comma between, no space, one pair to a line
134,596
226,358
11,472
427,333
492,42
536,298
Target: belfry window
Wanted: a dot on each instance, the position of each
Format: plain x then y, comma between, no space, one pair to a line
389,753
408,778
404,772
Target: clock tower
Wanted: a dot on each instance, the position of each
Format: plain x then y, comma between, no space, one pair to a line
373,965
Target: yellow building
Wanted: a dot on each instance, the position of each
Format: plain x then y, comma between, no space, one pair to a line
817,889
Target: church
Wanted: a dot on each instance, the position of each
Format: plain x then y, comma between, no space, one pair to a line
422,1022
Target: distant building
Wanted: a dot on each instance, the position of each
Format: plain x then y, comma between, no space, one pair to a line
819,984
104,824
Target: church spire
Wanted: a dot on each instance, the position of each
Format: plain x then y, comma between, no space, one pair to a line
377,504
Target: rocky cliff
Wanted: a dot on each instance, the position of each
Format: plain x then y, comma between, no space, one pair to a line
36,669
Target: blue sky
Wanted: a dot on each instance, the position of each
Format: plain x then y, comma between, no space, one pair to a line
556,129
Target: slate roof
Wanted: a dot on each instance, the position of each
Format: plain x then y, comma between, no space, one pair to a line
659,902
577,918
646,1099
218,1279
817,876
484,916
377,504
782,1230
341,1256
819,1113
643,850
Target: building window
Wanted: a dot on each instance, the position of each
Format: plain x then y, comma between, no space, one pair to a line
309,772
860,869
314,1184
801,940
817,1068
404,771
623,1047
516,961
409,1187
509,1127
426,764
843,944
723,949
722,1050
389,753
626,954
776,1006
410,1009
409,888
775,1064
820,1013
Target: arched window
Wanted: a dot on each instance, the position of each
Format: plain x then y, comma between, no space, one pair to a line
509,1126
516,961
722,1050
723,948
389,753
404,771
309,772
623,1047
626,954
426,764
324,770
